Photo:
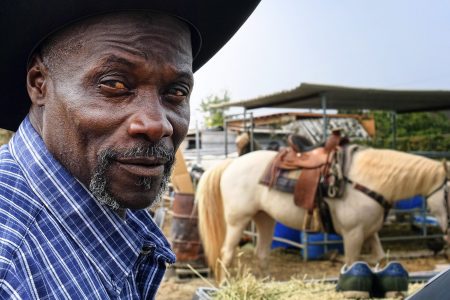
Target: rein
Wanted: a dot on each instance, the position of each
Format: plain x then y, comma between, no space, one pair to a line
438,189
445,186
372,194
446,198
446,204
386,205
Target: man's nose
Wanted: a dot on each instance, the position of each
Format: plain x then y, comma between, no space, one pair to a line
150,122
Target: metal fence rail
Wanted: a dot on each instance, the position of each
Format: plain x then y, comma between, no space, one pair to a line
423,235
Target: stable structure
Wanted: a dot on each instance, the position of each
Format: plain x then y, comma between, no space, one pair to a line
276,126
317,96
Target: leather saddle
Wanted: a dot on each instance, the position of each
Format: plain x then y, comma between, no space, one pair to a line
314,161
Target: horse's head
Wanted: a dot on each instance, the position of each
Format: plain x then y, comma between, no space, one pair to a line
246,144
439,205
241,141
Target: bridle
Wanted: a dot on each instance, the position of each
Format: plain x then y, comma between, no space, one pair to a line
446,191
446,202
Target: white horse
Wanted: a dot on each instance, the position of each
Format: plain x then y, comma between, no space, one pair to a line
229,196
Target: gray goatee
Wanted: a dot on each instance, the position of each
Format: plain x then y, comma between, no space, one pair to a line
99,184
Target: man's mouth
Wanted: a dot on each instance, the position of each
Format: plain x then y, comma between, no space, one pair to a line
142,167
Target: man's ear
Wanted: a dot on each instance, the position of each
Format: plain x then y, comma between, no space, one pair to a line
37,80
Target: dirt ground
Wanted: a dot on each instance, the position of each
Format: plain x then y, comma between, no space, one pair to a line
415,255
284,264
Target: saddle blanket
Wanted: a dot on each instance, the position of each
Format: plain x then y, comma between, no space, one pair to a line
320,219
284,181
301,182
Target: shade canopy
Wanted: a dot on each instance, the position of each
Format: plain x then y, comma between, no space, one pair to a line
310,96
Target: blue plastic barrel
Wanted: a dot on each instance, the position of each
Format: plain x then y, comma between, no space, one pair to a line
314,251
410,203
318,251
427,220
285,232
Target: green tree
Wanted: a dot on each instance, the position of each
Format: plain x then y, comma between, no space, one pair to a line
420,131
412,124
214,116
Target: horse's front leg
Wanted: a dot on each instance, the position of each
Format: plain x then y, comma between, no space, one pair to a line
353,241
376,249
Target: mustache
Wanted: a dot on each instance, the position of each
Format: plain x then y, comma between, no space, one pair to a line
159,151
99,180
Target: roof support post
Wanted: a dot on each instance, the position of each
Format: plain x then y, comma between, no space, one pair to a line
394,129
323,99
225,129
197,142
251,133
245,119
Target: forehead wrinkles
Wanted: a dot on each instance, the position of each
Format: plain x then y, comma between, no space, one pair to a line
139,29
149,44
142,34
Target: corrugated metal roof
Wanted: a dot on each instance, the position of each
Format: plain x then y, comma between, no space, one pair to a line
339,97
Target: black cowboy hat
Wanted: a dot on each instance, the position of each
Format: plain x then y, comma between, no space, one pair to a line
26,23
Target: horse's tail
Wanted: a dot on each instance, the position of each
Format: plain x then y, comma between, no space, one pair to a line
211,220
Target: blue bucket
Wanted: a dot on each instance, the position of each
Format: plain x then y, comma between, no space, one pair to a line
420,220
285,232
414,202
318,251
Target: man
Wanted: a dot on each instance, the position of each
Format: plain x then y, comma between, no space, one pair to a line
109,84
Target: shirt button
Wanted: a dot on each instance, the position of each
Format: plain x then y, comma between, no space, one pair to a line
147,249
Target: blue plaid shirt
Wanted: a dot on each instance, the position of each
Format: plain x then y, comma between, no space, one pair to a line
57,242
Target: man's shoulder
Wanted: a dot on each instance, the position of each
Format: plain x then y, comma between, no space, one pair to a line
18,205
18,222
10,170
17,218
15,191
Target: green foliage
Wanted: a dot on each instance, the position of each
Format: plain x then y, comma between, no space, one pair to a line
439,142
412,124
214,117
421,131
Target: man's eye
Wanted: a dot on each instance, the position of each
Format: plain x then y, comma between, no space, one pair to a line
113,84
177,92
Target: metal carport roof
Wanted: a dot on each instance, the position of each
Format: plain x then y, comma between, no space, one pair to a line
339,97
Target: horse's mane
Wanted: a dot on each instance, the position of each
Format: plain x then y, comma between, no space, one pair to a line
396,175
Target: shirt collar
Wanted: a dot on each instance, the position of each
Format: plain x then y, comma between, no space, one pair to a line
112,244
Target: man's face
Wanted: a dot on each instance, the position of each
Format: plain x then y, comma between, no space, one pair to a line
119,109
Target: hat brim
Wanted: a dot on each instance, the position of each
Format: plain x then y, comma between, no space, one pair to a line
25,23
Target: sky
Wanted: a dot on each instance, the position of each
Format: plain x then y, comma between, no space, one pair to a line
394,44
